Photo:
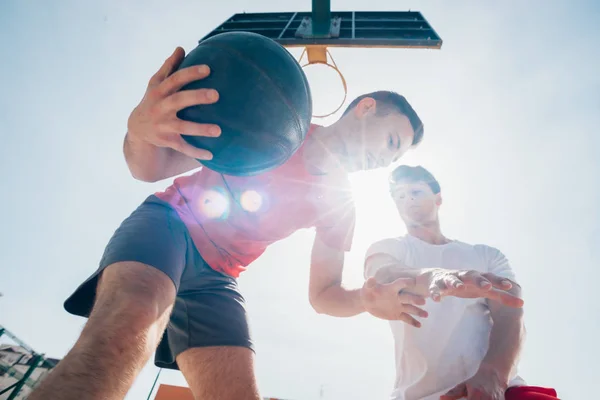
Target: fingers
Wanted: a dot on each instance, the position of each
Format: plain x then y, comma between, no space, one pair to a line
413,310
475,278
179,144
452,282
181,78
187,98
498,281
194,129
409,320
409,298
436,288
505,298
168,67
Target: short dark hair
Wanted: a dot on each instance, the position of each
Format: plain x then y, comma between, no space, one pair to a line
405,173
393,101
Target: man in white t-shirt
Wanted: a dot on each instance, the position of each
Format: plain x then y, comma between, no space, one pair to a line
469,344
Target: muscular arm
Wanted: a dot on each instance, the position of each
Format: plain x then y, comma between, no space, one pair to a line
150,163
506,336
326,293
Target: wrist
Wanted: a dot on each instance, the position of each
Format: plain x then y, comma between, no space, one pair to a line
501,372
426,276
132,138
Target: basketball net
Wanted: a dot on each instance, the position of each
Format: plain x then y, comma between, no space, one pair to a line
319,55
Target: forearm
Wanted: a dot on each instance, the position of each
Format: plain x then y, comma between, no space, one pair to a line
150,163
506,338
144,160
338,301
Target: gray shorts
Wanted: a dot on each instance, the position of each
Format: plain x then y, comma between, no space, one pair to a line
209,309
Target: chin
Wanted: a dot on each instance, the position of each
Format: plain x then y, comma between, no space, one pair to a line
415,219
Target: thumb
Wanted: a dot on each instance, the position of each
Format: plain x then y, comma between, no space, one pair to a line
459,391
371,283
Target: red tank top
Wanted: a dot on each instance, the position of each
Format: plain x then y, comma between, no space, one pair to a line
232,220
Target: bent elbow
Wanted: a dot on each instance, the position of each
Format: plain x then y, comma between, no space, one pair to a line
143,175
145,178
316,303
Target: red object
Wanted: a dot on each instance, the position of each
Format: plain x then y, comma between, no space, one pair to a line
530,393
232,220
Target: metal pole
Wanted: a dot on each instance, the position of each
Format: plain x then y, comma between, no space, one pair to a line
4,331
321,17
154,384
34,364
10,387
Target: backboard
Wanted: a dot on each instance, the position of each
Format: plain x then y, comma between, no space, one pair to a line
321,28
407,29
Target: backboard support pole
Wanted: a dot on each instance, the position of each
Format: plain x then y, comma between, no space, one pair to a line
37,360
321,18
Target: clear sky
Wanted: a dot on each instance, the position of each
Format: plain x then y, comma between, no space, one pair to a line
511,106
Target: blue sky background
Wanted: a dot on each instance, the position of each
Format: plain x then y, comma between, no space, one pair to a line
511,106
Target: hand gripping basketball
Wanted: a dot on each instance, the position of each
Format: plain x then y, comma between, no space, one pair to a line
154,121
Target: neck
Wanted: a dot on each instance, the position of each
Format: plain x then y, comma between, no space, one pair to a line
429,232
323,147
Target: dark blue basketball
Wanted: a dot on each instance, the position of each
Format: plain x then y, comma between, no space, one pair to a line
264,108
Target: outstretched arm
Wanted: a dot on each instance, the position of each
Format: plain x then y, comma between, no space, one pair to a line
326,293
506,337
497,367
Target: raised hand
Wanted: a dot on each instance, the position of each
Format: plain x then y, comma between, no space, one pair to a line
470,284
386,301
154,121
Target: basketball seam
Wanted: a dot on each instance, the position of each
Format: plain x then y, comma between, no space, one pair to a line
268,78
266,166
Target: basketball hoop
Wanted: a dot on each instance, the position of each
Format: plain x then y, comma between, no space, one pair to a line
318,55
320,28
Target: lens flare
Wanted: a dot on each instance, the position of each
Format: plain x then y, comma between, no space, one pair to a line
251,201
213,204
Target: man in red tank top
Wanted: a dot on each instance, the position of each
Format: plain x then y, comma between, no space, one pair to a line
168,275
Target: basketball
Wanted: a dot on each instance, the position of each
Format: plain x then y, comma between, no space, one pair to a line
264,107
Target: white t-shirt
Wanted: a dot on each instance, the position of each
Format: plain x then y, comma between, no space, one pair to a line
453,340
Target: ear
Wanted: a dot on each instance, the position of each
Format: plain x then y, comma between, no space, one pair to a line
438,199
366,106
414,146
